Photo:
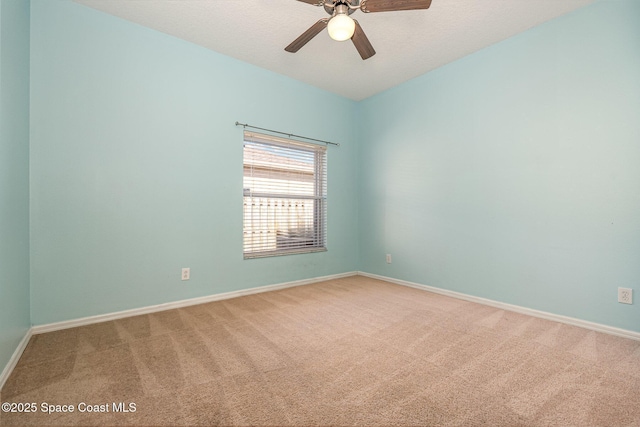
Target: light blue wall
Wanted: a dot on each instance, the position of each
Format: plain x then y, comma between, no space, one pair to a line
513,174
14,176
510,174
136,166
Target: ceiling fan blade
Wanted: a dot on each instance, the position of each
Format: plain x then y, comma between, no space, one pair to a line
362,43
307,35
313,2
392,5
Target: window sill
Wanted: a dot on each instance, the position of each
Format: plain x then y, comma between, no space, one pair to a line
281,253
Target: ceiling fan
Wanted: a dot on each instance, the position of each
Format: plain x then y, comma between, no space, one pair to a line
342,27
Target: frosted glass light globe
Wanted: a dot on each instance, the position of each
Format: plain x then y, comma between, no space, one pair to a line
341,27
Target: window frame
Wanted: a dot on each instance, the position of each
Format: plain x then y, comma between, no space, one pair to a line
283,238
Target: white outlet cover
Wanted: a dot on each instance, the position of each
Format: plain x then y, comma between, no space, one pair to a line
625,295
186,273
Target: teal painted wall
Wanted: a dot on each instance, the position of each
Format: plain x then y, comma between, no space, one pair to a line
14,176
136,166
512,174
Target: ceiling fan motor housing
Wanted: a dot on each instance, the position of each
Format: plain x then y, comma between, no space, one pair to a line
339,5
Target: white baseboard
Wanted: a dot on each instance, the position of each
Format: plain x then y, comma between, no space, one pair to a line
15,357
510,307
73,323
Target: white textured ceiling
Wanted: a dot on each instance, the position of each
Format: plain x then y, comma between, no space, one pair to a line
408,43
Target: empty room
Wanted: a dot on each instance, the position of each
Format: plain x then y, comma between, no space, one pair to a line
319,212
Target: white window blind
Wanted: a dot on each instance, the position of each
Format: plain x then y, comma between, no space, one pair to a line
285,196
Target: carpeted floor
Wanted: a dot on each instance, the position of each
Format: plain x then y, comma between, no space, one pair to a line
353,351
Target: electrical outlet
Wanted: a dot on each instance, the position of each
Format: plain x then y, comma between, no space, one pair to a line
625,295
388,258
186,273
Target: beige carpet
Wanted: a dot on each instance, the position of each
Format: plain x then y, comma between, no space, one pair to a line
353,351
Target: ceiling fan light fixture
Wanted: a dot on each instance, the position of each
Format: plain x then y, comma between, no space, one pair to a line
341,27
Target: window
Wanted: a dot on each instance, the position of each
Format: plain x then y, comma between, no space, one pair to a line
285,196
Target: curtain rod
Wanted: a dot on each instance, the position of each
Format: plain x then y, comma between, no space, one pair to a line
288,134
